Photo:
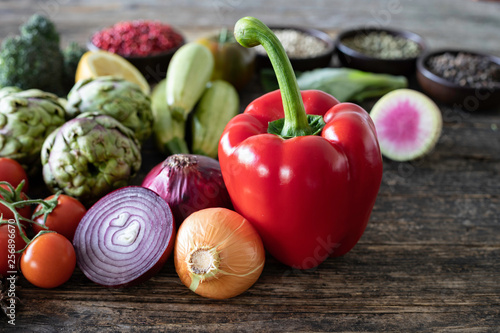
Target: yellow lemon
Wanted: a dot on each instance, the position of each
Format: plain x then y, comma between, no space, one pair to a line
102,63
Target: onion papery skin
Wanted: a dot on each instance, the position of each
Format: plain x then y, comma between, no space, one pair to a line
239,249
188,183
125,238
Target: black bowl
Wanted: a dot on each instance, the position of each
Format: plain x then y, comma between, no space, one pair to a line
153,67
448,92
354,59
303,64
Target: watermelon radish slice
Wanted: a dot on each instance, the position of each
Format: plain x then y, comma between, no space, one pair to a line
408,124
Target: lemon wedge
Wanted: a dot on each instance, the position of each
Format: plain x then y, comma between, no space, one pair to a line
103,63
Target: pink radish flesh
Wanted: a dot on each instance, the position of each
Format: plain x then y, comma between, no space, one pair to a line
400,126
408,124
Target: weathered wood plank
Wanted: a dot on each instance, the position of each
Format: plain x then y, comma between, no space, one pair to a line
373,285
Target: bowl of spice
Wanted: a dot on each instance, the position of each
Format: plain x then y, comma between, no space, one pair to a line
466,79
148,45
388,51
306,48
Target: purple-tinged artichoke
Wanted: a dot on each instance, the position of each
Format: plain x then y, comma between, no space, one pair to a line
115,97
90,156
26,119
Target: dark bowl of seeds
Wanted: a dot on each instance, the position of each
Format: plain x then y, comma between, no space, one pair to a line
388,51
465,79
306,48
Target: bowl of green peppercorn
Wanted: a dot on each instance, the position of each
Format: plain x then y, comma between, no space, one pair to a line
379,50
466,79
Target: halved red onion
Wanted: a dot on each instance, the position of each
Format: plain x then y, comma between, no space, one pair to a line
125,238
188,183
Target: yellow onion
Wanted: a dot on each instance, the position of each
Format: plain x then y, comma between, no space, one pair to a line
218,253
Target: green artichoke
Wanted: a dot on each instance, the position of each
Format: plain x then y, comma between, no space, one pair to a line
90,156
26,119
115,97
9,90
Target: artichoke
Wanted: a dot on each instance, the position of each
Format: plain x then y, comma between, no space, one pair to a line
9,90
26,119
90,156
115,97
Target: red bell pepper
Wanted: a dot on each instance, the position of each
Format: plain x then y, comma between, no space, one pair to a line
309,196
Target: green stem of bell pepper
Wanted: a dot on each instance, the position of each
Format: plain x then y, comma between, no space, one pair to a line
251,32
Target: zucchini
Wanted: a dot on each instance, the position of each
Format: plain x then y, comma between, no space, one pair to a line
166,134
188,73
218,104
187,76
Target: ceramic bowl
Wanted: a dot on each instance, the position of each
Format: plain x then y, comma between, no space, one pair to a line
448,92
303,64
154,66
349,57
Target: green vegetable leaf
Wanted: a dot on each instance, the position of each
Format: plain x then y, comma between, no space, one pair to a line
350,84
345,84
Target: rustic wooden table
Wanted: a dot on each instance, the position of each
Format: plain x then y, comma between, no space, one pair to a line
430,257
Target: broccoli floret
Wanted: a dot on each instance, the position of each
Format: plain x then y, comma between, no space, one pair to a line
31,63
72,54
39,25
33,59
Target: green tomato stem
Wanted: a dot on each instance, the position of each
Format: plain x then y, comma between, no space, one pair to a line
251,32
17,219
41,232
48,207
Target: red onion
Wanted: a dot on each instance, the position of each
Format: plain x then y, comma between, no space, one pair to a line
125,238
189,183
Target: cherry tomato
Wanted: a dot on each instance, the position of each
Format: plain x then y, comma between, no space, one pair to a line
7,213
48,261
12,172
10,242
64,218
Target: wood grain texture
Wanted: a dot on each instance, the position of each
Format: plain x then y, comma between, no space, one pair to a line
429,260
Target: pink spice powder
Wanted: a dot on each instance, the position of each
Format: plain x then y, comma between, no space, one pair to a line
137,38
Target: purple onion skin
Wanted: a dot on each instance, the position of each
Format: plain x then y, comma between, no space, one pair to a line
188,183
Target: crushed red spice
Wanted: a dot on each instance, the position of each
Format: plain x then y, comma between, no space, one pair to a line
137,38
